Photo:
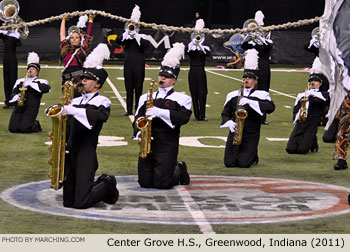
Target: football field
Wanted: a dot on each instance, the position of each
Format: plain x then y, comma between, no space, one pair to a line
23,160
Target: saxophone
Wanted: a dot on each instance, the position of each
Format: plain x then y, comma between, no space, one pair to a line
145,125
241,115
58,136
304,102
23,89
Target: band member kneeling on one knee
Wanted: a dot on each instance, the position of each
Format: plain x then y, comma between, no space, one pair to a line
256,103
160,169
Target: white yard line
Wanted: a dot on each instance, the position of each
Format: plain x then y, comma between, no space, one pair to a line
204,226
240,80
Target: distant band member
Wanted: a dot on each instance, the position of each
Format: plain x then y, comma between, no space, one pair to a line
256,103
27,103
197,77
307,117
171,109
134,61
89,112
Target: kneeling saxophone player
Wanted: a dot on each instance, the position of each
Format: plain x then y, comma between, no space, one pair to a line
160,169
254,103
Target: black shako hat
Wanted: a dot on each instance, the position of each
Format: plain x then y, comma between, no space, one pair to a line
316,74
93,64
33,61
99,75
170,66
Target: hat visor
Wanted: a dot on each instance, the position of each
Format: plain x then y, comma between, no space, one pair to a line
249,75
166,74
315,78
87,76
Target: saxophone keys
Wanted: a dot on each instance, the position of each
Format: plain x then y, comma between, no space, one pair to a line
50,161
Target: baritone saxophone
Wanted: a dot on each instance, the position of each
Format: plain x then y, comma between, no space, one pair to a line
58,136
241,115
144,124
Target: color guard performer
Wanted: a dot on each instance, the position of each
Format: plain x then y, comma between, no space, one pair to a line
246,126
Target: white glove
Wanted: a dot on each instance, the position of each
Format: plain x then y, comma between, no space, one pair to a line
244,101
137,137
27,83
308,93
69,110
229,124
154,112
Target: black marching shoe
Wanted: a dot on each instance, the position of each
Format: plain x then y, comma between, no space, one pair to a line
113,193
256,161
100,179
181,169
314,148
341,165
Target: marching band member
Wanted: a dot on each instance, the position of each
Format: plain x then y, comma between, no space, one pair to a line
307,113
26,95
170,111
255,103
134,61
197,78
75,47
89,112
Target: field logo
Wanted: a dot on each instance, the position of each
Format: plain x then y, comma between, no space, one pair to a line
220,199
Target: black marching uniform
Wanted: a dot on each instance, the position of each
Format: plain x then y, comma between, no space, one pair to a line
197,80
157,169
23,119
134,67
304,135
79,190
245,154
10,63
264,72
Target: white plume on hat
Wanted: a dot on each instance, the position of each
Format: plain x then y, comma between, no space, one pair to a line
136,13
199,25
96,57
82,21
259,17
316,66
173,56
33,58
251,59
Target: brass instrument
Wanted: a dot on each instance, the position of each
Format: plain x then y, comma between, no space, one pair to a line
256,34
9,14
303,106
58,136
241,115
131,28
197,37
145,125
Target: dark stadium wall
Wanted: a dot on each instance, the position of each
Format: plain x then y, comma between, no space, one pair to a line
44,38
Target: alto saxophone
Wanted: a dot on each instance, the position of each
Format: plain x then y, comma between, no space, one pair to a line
241,115
304,102
23,89
58,136
144,123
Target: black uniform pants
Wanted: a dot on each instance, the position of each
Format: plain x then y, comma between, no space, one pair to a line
243,155
303,137
157,169
79,190
10,75
23,120
198,87
134,75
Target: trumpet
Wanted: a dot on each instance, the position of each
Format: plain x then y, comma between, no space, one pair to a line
9,14
197,37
